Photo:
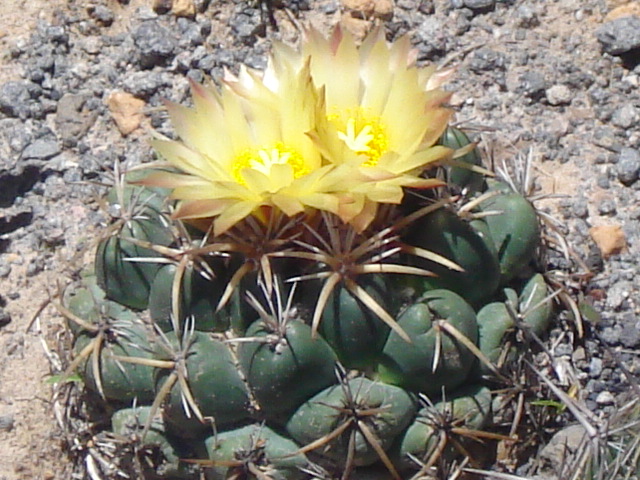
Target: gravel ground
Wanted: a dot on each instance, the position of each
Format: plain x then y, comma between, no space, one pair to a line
553,80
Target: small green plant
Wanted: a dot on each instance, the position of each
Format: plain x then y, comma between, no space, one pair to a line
328,273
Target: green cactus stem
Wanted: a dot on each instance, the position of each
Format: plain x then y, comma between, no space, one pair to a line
434,359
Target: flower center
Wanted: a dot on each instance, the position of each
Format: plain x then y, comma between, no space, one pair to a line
262,159
362,134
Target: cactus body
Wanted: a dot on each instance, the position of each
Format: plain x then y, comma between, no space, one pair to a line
471,404
199,299
320,416
285,372
270,453
120,380
515,232
352,329
130,422
216,387
412,365
459,176
89,303
444,233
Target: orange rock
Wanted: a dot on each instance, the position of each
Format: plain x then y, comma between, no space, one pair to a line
183,8
632,8
355,26
610,239
383,9
126,111
365,9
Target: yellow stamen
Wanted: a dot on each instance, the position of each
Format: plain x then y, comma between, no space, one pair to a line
362,134
263,159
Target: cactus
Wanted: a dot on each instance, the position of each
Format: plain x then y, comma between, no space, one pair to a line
300,303
434,360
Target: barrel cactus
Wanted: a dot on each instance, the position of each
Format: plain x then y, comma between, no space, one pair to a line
281,292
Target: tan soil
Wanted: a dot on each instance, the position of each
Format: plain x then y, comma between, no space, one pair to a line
31,448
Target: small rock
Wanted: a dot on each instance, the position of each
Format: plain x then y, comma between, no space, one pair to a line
626,116
5,318
72,120
630,337
5,270
617,294
364,7
126,111
532,84
369,8
161,6
103,15
627,10
144,84
559,95
607,207
527,17
183,8
357,27
479,4
14,97
595,367
383,9
41,149
486,59
628,166
155,43
620,36
610,239
6,422
605,398
563,445
579,355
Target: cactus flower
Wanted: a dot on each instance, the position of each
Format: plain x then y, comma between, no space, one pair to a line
235,157
382,117
329,127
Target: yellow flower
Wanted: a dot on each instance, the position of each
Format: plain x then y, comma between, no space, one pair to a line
236,156
380,120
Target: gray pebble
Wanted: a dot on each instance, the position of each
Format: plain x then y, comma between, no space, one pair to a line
630,336
618,293
532,84
35,267
581,207
595,367
603,181
5,270
628,166
563,349
102,15
527,17
559,95
619,36
72,120
625,117
145,84
595,386
5,318
605,398
607,207
14,98
6,422
485,59
155,43
41,149
479,4
611,335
